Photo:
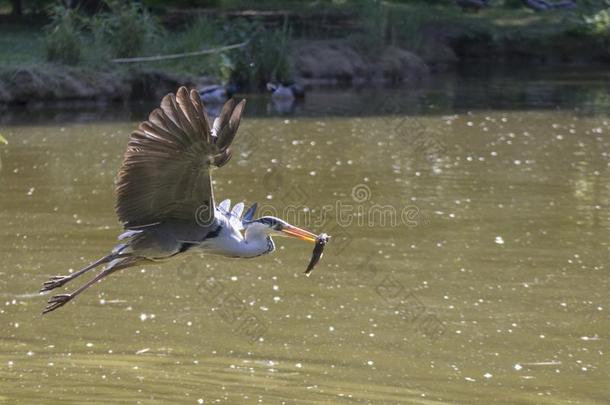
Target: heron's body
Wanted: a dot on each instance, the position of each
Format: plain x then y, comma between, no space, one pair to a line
165,198
222,236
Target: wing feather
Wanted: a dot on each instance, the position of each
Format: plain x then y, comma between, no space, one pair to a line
203,119
229,129
223,118
165,173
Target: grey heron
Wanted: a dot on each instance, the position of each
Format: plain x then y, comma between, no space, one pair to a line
165,198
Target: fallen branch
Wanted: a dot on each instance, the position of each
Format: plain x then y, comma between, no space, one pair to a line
179,55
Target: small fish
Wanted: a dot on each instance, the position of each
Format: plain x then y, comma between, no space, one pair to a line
318,250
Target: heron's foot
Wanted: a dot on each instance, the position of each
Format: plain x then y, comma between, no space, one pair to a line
57,301
55,282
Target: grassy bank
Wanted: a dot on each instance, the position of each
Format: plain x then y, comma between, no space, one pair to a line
21,44
358,37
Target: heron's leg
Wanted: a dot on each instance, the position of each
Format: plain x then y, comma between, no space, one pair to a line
58,281
60,300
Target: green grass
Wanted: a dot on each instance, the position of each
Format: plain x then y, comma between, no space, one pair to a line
402,23
21,44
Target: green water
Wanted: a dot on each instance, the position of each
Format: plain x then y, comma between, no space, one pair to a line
469,264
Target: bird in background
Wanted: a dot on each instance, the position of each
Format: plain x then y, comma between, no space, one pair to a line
214,94
165,198
284,97
289,92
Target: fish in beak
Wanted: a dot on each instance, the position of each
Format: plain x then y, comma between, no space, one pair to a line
317,253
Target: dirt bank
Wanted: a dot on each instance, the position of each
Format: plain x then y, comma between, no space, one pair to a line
336,61
315,62
50,83
319,62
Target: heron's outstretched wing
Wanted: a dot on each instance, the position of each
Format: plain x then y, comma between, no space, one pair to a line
166,169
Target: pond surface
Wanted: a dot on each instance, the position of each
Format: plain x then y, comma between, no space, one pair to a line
469,260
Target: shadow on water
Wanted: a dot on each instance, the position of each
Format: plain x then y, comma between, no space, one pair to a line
470,90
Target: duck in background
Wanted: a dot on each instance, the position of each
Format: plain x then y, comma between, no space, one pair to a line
215,95
280,91
284,96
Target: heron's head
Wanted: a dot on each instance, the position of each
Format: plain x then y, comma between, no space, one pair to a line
273,226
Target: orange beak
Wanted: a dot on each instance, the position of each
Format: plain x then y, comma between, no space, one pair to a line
299,233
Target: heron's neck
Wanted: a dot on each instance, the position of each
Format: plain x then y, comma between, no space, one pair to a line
256,244
230,243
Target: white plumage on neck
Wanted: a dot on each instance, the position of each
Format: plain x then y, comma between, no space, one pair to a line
231,242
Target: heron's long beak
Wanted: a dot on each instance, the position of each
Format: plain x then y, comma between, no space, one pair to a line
299,233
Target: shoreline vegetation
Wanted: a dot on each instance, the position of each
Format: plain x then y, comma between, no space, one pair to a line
71,53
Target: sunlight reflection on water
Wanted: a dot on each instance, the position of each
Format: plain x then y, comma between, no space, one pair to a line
497,289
